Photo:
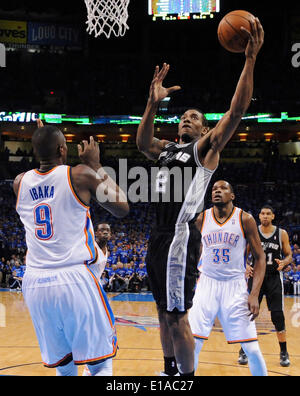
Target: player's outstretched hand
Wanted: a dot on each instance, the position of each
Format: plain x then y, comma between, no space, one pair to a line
249,272
89,153
281,264
157,91
39,123
256,38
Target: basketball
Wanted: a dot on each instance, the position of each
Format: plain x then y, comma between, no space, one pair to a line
230,35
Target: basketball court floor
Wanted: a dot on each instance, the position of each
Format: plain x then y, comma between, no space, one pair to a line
140,351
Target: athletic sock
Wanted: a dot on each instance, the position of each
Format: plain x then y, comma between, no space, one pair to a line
283,347
170,366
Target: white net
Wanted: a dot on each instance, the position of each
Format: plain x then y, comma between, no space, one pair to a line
107,17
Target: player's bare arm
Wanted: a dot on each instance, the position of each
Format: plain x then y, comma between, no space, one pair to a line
145,140
16,183
90,180
241,100
199,221
252,236
286,250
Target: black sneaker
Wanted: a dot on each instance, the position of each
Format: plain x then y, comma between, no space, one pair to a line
243,359
284,359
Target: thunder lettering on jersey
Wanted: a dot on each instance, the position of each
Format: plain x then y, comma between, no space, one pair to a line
223,246
58,226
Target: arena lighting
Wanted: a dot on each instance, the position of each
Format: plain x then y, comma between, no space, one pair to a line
125,137
101,137
268,136
163,119
243,137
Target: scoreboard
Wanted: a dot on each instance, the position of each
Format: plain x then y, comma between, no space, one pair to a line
182,9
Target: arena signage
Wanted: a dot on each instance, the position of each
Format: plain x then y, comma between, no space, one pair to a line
53,34
13,31
18,117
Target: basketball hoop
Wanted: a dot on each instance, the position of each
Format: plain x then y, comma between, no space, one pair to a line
107,17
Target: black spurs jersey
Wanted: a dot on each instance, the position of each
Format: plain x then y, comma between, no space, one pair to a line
180,184
272,249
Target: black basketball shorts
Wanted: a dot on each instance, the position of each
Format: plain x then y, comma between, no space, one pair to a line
272,288
172,259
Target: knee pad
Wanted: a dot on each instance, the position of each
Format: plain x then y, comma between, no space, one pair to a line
278,320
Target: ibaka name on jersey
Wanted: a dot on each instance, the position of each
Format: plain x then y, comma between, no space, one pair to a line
41,192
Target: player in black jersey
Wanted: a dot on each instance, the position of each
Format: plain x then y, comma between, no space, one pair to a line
174,243
275,242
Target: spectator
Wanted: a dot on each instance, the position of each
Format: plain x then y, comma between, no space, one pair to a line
15,278
7,272
2,266
111,273
129,274
135,283
143,276
295,278
105,280
287,280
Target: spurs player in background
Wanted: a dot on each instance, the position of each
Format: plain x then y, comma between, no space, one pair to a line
277,248
69,309
173,251
222,289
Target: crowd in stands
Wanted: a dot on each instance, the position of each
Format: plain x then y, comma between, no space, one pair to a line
275,182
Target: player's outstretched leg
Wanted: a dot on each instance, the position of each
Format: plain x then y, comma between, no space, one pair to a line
170,366
103,369
183,342
68,370
198,347
256,360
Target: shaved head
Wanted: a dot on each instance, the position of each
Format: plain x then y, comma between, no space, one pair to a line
47,143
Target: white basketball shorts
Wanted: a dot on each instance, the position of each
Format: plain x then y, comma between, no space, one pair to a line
71,315
227,300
